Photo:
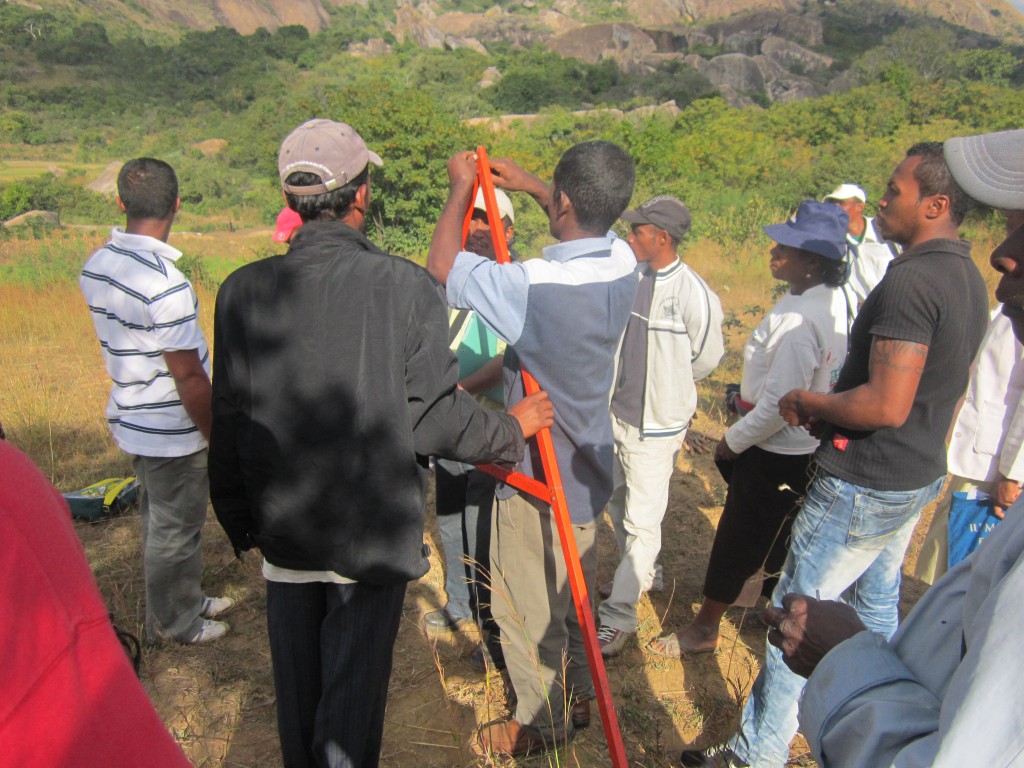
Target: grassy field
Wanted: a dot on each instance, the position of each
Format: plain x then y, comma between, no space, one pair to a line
15,170
218,700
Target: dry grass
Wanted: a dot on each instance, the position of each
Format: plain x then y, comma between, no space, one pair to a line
218,700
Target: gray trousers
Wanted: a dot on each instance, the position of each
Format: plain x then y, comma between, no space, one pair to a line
532,603
173,500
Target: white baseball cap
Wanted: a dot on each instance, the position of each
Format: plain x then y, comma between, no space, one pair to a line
504,204
846,192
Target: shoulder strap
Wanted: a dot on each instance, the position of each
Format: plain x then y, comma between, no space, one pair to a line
458,320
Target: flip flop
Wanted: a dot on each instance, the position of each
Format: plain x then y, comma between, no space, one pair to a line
674,648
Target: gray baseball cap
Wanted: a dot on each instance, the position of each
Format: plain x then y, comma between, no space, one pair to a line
989,167
664,212
333,151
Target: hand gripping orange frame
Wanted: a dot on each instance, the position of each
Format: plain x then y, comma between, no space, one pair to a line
551,492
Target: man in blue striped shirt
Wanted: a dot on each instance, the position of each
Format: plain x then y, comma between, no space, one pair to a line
147,320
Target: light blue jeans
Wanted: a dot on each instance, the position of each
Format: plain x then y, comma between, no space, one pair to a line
848,544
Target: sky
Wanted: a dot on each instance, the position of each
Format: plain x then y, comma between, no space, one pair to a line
1018,3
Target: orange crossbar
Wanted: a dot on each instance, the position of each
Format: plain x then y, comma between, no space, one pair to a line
552,493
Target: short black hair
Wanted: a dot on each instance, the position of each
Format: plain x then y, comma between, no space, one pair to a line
598,177
933,178
148,188
335,204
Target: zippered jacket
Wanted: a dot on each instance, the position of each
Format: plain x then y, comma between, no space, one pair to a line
333,382
684,345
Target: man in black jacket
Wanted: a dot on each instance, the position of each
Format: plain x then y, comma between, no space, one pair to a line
333,382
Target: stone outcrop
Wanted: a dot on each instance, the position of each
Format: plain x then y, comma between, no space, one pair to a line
736,72
793,56
807,30
490,77
627,44
416,25
372,48
29,217
106,182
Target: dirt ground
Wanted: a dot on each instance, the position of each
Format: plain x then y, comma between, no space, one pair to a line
218,699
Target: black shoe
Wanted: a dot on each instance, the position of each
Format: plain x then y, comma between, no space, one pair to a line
441,621
488,655
717,756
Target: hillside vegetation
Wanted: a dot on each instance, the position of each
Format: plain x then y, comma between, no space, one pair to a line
76,94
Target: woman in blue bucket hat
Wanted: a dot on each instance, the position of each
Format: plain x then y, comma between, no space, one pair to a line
801,343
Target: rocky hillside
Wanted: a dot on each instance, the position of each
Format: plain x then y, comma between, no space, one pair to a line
532,17
751,51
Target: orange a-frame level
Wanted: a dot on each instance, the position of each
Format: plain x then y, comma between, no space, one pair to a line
552,492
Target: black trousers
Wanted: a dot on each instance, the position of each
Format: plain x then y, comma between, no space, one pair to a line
331,646
765,490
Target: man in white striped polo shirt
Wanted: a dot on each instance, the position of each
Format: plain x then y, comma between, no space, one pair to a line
147,319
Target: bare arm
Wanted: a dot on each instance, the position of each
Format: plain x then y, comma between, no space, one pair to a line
508,175
447,239
486,377
193,386
885,400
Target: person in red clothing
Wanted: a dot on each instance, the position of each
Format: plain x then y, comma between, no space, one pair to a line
68,694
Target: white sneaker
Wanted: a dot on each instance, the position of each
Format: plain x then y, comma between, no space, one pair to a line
211,630
215,606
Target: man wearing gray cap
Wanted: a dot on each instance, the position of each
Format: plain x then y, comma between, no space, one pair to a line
945,690
870,253
673,338
333,382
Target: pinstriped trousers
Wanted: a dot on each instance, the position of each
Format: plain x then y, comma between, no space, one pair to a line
331,647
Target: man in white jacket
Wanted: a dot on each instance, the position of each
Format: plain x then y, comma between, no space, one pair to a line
945,690
986,446
673,338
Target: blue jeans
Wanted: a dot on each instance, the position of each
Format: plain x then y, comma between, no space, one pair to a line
465,496
848,544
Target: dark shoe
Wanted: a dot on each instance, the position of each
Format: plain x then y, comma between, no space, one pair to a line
439,622
612,641
580,713
486,656
511,738
717,756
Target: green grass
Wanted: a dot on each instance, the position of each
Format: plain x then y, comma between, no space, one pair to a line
16,170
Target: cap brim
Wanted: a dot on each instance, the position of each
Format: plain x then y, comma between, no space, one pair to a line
375,158
989,168
634,217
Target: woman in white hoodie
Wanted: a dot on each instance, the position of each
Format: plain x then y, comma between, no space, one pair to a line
801,343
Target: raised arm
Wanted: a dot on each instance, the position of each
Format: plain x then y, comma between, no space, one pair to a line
447,239
884,400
